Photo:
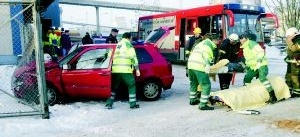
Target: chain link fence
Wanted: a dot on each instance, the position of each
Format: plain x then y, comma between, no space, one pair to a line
19,40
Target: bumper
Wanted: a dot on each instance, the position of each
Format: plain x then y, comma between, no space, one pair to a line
167,82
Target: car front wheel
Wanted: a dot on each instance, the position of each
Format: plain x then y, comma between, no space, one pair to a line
151,91
52,96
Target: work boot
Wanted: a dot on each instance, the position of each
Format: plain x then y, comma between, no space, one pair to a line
108,106
135,106
206,108
194,102
272,98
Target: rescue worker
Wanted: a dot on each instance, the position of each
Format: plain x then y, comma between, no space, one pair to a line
57,47
229,49
256,64
112,38
290,33
199,63
123,61
293,60
53,41
194,40
46,42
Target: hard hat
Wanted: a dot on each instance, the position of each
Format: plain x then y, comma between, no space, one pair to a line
197,30
291,31
233,37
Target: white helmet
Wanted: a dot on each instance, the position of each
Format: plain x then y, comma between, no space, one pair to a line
233,37
291,31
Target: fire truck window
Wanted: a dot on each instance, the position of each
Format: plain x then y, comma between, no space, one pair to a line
203,23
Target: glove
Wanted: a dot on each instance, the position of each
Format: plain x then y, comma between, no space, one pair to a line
206,69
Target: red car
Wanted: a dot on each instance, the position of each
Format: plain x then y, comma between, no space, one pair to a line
86,73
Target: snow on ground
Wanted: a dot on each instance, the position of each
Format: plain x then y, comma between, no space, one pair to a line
170,116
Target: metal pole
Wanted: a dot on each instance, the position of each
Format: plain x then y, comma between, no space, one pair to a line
97,20
40,67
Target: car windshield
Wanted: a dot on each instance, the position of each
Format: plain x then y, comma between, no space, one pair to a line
155,35
244,23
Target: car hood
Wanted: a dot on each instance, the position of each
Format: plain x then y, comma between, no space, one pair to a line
31,67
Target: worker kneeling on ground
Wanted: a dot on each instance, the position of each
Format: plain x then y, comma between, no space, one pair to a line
199,63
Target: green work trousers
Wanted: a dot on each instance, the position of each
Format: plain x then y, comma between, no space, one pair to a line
199,78
262,73
129,81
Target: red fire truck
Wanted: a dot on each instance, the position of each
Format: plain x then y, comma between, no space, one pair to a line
220,20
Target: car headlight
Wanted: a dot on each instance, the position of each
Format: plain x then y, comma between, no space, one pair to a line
15,82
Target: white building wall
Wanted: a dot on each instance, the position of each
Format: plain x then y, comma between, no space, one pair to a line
5,32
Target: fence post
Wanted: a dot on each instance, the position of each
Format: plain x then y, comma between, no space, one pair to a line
40,66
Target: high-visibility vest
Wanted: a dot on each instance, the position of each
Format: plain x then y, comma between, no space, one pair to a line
201,55
124,60
53,39
254,54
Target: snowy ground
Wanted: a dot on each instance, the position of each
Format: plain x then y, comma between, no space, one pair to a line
170,116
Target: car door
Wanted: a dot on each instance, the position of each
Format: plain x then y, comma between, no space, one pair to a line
88,74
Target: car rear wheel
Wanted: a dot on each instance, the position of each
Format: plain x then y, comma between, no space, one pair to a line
151,91
52,96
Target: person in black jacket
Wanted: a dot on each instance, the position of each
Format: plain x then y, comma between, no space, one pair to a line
65,42
112,38
229,49
87,39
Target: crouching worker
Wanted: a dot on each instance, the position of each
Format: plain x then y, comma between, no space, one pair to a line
122,71
256,65
199,63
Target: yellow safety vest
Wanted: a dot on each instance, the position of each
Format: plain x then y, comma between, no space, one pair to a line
124,60
253,54
53,37
201,55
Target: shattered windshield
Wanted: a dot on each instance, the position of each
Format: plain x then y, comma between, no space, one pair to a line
155,35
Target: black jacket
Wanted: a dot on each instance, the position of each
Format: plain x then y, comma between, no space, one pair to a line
229,51
192,41
111,39
87,40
